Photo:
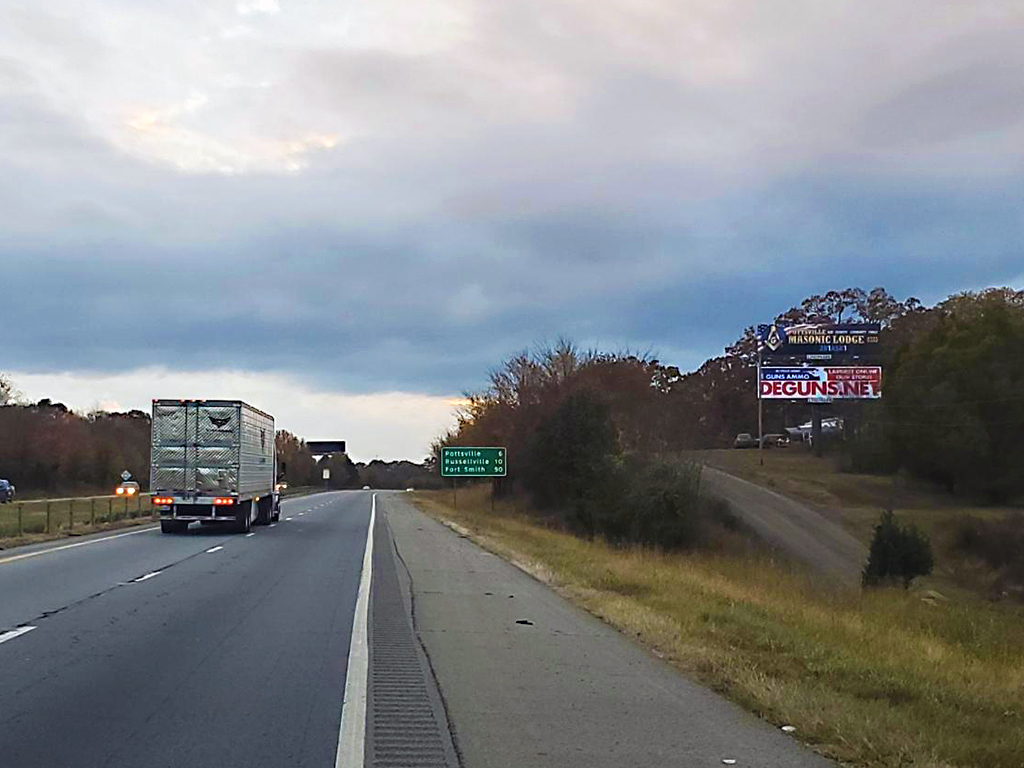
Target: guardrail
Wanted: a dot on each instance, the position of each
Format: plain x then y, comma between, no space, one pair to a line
51,516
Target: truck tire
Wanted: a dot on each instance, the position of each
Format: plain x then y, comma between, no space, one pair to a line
263,513
173,526
244,517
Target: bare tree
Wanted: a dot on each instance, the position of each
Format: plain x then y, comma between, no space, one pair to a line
8,394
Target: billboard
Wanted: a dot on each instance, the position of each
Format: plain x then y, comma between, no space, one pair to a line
821,383
819,341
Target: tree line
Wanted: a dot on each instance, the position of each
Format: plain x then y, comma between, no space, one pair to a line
48,449
45,448
595,437
299,467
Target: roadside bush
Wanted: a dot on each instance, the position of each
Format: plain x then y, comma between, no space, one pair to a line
720,512
661,506
1000,544
871,452
572,464
898,554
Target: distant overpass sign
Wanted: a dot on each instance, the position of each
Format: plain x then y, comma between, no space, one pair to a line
473,462
325,447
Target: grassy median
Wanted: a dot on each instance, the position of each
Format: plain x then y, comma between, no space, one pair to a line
34,520
883,678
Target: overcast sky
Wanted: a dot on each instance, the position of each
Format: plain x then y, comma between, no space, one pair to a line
348,211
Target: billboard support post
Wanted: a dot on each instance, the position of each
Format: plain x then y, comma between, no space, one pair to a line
819,449
473,461
760,410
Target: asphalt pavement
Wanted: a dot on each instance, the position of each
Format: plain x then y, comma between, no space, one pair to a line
798,530
138,649
206,649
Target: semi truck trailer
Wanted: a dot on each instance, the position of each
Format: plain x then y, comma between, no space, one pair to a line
214,461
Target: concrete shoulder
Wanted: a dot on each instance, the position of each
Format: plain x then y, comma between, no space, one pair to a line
528,679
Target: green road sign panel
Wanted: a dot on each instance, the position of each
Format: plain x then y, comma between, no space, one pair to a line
473,462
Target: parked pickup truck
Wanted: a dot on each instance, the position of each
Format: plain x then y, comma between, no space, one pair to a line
213,461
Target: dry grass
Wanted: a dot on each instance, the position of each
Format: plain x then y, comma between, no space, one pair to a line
878,679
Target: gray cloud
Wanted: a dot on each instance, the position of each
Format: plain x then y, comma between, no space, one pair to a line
380,202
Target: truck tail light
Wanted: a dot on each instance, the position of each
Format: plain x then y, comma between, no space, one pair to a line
162,500
223,501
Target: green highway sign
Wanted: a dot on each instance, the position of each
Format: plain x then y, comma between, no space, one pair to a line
473,462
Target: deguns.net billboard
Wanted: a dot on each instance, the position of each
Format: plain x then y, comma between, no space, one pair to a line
825,383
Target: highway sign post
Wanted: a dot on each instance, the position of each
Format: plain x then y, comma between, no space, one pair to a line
470,461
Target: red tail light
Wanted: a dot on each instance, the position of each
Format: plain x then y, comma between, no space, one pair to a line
221,501
162,500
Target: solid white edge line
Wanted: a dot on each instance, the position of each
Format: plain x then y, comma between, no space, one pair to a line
12,558
13,633
352,734
214,549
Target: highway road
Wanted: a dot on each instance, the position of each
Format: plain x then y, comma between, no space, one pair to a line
803,533
355,631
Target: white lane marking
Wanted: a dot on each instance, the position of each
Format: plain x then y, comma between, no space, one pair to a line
12,558
147,576
249,534
13,633
273,524
352,734
287,518
214,549
301,514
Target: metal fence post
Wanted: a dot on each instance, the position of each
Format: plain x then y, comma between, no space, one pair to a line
71,514
21,522
92,511
47,517
127,514
110,510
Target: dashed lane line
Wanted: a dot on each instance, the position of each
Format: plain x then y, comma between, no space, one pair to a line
13,633
214,549
13,558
